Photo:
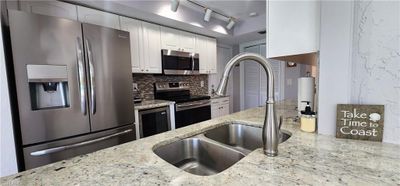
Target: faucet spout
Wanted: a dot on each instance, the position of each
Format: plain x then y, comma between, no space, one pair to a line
271,129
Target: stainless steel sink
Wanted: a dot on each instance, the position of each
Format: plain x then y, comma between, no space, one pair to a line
214,150
198,156
241,137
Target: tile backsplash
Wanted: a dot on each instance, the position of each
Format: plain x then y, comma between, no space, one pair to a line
146,83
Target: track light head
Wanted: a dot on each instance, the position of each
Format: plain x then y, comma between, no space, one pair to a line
230,24
207,15
174,5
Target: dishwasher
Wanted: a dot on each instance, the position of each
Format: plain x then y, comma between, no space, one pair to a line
154,121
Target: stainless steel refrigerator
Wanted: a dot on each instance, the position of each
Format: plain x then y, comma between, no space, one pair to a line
74,87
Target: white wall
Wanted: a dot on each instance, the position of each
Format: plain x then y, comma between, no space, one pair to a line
335,61
359,61
8,160
291,76
376,61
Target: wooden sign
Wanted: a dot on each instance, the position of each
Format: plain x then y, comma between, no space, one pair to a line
361,122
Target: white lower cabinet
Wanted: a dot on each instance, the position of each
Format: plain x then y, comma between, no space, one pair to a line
219,107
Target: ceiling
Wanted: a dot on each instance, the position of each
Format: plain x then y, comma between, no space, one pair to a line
239,9
189,17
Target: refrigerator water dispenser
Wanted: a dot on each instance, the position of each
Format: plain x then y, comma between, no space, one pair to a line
48,85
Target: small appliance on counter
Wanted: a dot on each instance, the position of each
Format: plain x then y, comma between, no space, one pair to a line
308,119
306,92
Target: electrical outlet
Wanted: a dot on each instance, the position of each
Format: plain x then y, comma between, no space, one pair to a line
201,83
135,86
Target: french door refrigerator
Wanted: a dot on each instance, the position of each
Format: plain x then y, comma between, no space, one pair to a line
74,87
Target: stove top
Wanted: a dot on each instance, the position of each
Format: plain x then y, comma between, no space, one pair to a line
176,91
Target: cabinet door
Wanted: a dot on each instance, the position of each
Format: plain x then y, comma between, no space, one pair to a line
134,27
224,109
187,42
170,38
215,108
212,55
152,48
292,27
201,49
50,8
87,15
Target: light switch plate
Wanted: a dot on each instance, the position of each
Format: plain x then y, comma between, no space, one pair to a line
201,83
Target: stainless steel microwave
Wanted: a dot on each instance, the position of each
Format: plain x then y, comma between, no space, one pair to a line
179,63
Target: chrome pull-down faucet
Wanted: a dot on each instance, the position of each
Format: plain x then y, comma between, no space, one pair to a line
271,129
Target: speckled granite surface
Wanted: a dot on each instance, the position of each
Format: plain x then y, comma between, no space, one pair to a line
305,159
148,104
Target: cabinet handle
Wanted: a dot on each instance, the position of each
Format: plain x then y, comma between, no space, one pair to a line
147,70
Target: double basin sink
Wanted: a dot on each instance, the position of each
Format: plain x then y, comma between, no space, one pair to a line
214,150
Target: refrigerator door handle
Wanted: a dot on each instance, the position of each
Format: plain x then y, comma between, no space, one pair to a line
91,78
66,147
81,75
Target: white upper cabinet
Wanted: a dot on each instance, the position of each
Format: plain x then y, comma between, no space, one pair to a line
170,38
152,48
145,45
187,41
134,27
207,50
201,49
96,17
292,27
173,39
50,8
212,55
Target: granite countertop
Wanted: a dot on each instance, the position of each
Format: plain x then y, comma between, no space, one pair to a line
304,159
148,104
216,97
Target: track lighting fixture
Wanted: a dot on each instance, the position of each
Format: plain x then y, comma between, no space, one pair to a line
207,15
174,5
230,24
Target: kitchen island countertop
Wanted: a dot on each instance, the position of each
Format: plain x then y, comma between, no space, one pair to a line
304,159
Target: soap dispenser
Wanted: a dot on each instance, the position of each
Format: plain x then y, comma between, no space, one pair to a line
308,120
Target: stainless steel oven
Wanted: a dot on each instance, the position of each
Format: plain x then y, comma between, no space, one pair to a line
188,113
179,63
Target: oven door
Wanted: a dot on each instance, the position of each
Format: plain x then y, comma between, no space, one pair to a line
179,63
192,112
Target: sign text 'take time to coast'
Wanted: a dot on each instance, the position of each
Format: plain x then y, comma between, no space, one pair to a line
362,122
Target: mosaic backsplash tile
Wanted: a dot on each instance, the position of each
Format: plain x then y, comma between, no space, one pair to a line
146,83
